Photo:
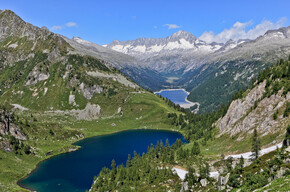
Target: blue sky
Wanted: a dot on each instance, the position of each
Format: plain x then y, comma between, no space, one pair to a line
102,21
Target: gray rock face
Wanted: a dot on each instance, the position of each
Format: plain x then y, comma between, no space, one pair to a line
238,109
36,76
89,92
91,111
3,129
222,181
241,116
16,132
184,186
4,145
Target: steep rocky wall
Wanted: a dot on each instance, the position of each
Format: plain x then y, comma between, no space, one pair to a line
243,117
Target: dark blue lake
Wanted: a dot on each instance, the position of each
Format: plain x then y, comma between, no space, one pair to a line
75,171
177,96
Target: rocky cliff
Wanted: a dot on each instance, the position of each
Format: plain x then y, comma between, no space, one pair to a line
263,108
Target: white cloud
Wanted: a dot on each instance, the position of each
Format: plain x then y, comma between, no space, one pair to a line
59,27
172,26
239,31
56,27
71,24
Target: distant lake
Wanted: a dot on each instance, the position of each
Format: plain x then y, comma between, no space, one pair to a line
75,171
177,96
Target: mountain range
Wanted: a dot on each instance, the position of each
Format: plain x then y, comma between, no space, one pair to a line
211,72
55,91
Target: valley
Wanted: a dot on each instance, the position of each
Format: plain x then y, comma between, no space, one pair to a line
68,107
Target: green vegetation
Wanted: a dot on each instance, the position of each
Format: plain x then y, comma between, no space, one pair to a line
255,145
203,148
47,138
281,184
141,173
151,171
214,84
52,84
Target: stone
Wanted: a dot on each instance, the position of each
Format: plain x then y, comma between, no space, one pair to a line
184,186
16,132
222,180
203,182
241,116
280,173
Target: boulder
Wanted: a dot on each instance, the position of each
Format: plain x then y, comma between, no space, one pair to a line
184,187
203,182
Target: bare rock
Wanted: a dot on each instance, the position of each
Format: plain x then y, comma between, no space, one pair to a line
242,117
5,145
203,182
36,75
89,92
280,173
3,129
184,186
16,132
71,99
222,181
91,111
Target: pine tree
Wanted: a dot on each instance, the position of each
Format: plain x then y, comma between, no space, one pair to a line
167,143
286,141
195,150
255,145
240,165
113,165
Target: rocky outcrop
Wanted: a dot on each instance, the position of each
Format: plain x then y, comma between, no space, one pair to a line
90,91
222,181
254,111
91,111
36,76
116,77
5,145
16,132
7,127
3,129
238,109
203,182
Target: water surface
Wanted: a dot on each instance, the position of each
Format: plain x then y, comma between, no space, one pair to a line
75,171
177,96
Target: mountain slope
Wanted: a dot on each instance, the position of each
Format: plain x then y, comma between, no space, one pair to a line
264,107
52,95
210,72
137,70
215,81
201,165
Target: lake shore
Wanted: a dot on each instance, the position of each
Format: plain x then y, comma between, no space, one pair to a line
30,188
78,147
183,105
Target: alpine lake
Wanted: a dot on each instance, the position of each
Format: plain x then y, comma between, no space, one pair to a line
75,171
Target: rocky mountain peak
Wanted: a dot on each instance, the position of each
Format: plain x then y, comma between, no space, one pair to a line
12,25
183,35
283,32
76,38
